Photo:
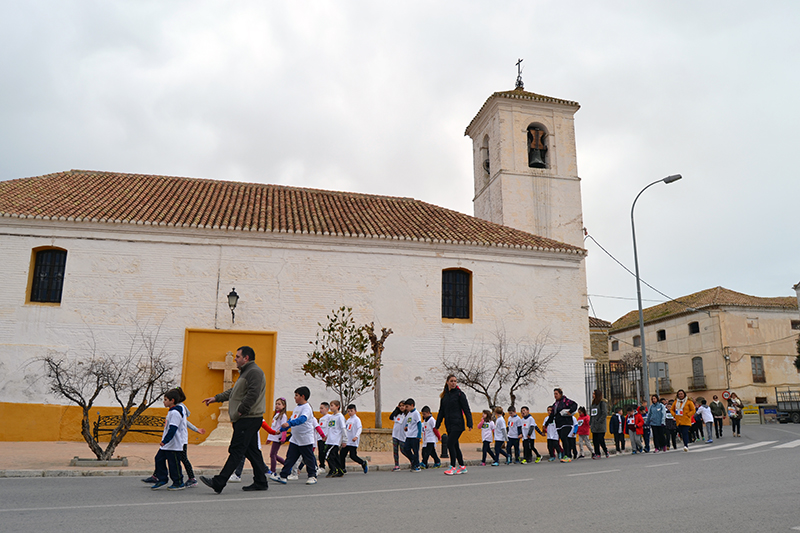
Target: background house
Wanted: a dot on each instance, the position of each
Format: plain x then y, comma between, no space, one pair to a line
716,340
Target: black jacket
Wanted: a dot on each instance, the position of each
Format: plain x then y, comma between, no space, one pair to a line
453,407
564,403
615,423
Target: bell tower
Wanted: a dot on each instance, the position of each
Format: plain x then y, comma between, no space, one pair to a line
525,167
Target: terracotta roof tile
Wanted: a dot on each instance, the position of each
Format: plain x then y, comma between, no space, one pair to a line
112,197
595,322
716,297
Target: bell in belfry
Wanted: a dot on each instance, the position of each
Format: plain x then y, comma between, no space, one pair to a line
536,147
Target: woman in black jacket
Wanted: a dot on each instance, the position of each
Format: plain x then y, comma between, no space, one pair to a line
453,407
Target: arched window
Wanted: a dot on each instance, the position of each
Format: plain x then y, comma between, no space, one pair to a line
537,146
698,380
47,275
456,294
485,155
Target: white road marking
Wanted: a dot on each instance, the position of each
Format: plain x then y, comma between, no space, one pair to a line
213,498
592,473
751,446
663,464
750,453
711,448
793,444
715,458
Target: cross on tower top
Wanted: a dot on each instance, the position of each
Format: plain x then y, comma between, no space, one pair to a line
519,85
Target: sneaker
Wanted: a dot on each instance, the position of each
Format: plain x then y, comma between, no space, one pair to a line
552,459
416,469
450,471
524,462
709,441
158,485
274,477
192,482
633,452
311,481
234,479
208,482
495,463
483,464
150,480
437,465
581,457
566,460
292,477
330,474
686,448
396,469
176,486
606,455
321,469
538,459
282,480
366,467
461,470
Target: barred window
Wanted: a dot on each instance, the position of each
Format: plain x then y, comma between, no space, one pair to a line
48,275
456,294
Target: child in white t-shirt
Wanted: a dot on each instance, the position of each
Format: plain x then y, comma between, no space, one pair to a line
430,436
487,436
413,429
528,431
173,439
335,431
324,409
500,436
398,432
302,440
553,447
353,437
514,434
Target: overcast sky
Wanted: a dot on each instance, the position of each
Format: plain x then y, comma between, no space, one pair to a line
374,97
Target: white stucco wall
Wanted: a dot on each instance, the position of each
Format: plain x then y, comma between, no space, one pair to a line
117,274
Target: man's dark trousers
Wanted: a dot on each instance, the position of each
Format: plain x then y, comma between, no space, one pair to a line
243,444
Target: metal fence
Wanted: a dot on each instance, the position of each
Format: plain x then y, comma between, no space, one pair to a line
621,384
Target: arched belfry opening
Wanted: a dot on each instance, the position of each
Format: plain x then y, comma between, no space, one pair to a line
537,146
485,155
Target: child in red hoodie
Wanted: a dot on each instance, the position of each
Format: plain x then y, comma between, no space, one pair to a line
583,431
635,424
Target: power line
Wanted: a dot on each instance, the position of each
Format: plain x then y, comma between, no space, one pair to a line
628,270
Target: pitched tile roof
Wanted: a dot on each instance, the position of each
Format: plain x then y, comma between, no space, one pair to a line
595,322
520,94
111,197
716,297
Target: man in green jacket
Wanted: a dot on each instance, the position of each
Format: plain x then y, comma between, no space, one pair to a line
718,410
246,405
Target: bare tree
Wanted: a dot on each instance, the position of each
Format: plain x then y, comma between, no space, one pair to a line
500,369
634,359
377,351
136,379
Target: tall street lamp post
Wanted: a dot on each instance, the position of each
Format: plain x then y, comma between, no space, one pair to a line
645,369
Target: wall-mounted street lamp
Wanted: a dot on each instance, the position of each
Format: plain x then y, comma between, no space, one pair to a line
233,299
645,369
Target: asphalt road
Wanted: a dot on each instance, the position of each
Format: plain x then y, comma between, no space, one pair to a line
747,484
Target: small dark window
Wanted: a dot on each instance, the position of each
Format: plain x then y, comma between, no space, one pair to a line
614,346
795,324
637,341
694,328
48,275
757,364
455,294
661,335
761,399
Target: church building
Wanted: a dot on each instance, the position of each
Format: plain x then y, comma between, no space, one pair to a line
94,255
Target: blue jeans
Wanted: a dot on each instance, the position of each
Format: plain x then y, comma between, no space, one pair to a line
169,460
411,450
293,454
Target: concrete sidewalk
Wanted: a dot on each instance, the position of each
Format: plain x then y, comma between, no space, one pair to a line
51,459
